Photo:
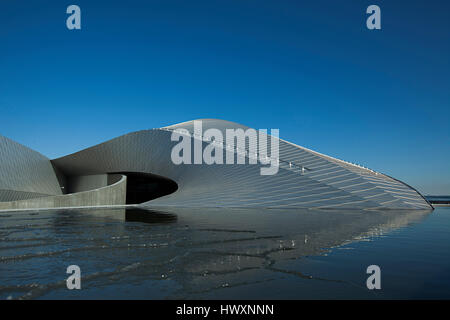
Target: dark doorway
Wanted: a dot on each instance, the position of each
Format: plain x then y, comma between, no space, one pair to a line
143,187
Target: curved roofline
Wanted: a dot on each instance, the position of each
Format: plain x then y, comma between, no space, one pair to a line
24,146
203,119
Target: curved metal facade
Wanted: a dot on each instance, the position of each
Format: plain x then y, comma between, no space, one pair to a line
24,173
327,182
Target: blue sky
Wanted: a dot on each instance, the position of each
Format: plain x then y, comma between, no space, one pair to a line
310,68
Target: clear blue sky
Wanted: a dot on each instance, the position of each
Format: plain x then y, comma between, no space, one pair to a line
310,68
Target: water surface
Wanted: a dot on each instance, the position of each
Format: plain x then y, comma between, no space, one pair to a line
180,253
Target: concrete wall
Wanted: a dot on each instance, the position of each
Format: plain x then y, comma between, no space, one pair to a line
114,194
85,183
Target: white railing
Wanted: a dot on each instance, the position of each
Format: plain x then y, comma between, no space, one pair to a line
289,165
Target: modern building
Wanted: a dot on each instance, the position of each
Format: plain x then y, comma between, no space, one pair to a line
137,168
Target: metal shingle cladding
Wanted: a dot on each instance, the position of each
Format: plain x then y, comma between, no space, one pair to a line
326,183
24,173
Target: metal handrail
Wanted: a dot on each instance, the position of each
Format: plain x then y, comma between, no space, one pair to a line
246,152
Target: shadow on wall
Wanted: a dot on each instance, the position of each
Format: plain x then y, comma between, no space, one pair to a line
143,187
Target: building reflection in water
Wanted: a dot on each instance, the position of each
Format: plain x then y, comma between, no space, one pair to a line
199,249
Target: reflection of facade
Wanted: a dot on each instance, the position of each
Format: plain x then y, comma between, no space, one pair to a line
201,251
138,167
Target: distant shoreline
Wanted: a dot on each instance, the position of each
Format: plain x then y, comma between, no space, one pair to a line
439,200
440,203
